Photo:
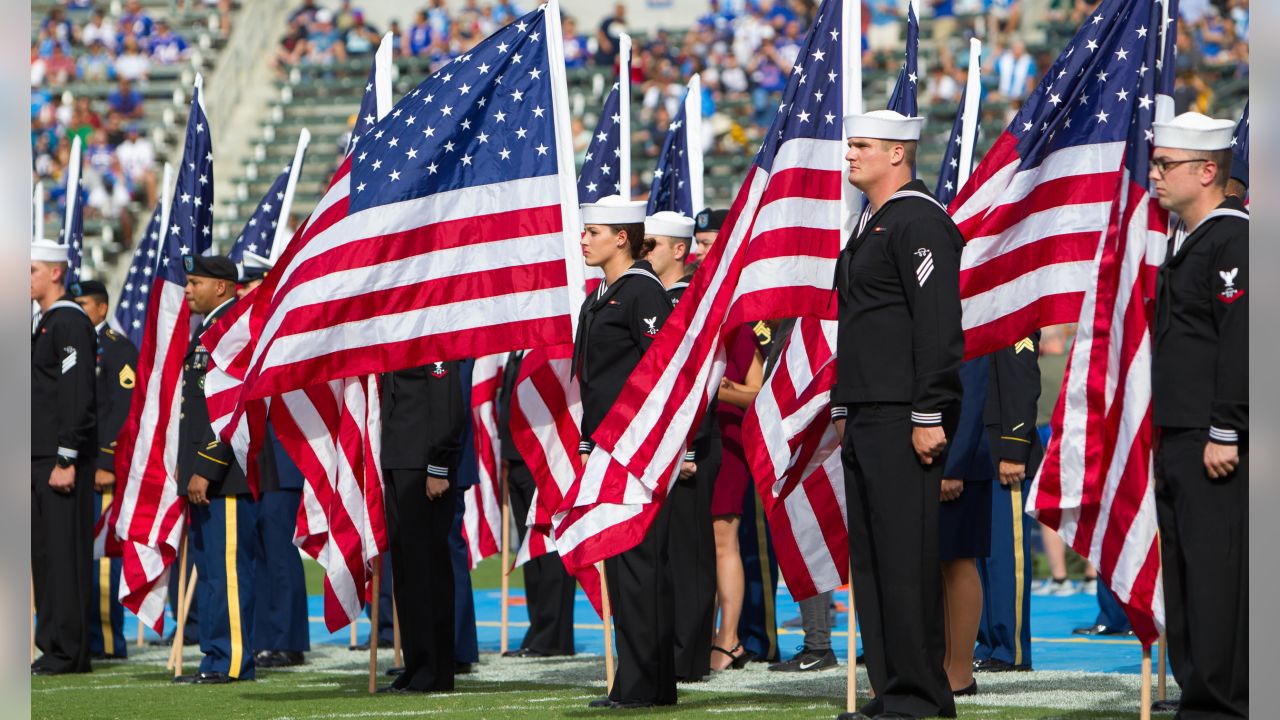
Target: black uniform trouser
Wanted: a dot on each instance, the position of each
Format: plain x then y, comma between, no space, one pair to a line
423,572
62,566
1204,543
693,569
549,588
893,546
642,604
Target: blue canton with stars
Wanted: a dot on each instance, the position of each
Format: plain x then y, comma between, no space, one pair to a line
671,189
602,163
260,232
73,232
191,213
367,115
1093,90
949,176
484,118
812,104
1240,148
131,305
903,99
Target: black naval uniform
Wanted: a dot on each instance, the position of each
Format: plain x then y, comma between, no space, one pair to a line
422,425
899,346
693,542
117,374
223,532
63,432
617,325
1200,388
549,588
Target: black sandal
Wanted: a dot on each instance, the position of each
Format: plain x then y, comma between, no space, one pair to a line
737,661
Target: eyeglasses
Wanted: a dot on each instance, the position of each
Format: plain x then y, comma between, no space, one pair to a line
1162,167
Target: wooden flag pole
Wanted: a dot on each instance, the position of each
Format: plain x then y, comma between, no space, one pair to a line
1162,689
355,639
395,633
141,632
182,586
607,618
373,626
1144,712
180,631
506,564
851,693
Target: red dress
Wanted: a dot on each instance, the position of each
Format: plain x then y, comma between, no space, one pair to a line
734,477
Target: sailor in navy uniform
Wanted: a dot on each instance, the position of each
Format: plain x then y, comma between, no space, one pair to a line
1200,397
1013,389
117,363
423,419
617,324
900,346
281,630
693,544
222,509
548,588
64,447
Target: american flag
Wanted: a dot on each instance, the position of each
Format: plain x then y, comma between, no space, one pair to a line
949,175
258,234
775,257
377,93
446,234
1240,146
903,98
1061,228
677,181
601,173
794,453
148,513
482,502
131,305
73,222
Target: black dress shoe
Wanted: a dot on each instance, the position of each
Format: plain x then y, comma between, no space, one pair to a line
853,716
1164,706
603,702
461,668
861,659
523,653
970,689
291,658
184,679
45,670
267,659
994,665
212,678
630,705
393,690
395,671
1099,629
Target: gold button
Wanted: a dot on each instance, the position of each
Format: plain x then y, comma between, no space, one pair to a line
182,416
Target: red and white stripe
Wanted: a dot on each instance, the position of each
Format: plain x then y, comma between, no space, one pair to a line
794,453
148,516
775,257
482,502
1096,484
1031,239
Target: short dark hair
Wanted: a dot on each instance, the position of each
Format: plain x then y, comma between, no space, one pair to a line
636,243
909,149
1221,158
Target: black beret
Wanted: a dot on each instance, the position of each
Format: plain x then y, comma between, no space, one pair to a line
89,287
710,220
211,266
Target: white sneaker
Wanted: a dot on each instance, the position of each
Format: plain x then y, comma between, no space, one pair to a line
1055,588
1089,586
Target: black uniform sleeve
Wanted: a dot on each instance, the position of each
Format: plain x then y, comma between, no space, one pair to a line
1229,415
648,311
215,458
77,349
447,421
1017,371
119,367
928,260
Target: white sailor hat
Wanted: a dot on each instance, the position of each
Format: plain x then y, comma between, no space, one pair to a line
1193,131
612,210
45,250
669,224
883,125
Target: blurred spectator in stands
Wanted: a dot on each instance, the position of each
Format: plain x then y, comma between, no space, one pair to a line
883,35
607,35
505,11
167,47
59,27
1215,37
84,120
438,16
750,31
360,38
98,154
125,100
581,139
131,64
1003,18
944,20
1191,93
1014,71
135,21
345,18
109,198
486,24
769,73
100,28
733,78
97,65
1238,11
943,88
59,68
324,44
397,37
1240,60
305,14
576,49
138,162
1188,56
292,49
1192,11
418,39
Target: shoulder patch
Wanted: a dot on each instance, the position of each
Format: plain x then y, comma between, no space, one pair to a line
1229,293
127,377
439,370
924,268
651,324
